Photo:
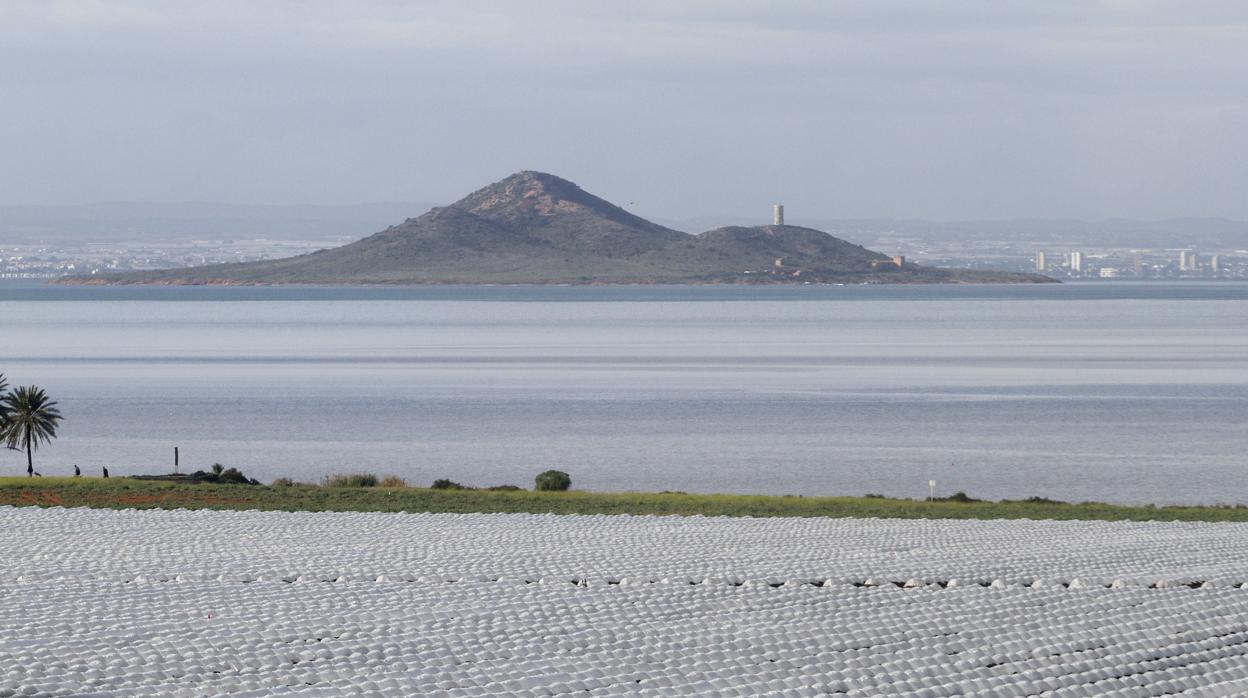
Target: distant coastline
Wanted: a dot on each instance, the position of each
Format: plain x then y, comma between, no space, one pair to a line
955,278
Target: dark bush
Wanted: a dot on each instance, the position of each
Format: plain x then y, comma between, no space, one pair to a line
959,497
444,484
350,480
283,482
233,476
873,495
553,481
223,475
1042,500
505,488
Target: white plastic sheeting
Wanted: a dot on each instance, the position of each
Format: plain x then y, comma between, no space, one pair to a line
186,603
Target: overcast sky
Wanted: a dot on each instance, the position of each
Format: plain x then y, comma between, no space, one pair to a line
949,109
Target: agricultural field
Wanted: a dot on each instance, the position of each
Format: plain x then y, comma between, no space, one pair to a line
126,602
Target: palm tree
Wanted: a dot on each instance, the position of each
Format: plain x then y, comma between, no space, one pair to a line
30,419
4,411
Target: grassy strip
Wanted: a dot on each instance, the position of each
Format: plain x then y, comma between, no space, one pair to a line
121,493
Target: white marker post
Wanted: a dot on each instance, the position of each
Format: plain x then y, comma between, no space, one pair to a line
931,490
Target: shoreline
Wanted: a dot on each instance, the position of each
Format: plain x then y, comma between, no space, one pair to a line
1029,279
127,493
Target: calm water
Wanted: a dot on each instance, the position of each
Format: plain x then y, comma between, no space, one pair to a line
1116,391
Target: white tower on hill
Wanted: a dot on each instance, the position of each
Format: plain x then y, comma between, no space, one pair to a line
778,214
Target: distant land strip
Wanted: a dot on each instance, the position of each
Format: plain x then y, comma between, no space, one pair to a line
644,361
126,493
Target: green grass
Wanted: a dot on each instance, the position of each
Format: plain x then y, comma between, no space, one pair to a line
120,493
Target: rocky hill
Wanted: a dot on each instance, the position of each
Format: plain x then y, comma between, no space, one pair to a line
534,227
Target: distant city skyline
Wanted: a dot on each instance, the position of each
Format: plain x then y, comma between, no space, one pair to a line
859,109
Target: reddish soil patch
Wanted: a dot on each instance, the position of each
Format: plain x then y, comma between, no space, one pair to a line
166,499
43,498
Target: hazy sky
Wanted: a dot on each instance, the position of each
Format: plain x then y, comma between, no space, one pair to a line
863,108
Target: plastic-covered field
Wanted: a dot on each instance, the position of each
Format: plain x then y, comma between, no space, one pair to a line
182,603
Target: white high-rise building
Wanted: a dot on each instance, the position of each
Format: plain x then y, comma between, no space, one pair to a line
778,214
1076,261
1187,260
1041,263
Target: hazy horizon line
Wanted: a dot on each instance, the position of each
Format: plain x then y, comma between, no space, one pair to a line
420,207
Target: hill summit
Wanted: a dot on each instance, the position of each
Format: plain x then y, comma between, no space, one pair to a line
534,227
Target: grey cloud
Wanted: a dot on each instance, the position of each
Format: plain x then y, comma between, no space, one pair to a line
974,109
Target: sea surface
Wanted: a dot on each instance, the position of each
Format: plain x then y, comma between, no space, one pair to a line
1117,391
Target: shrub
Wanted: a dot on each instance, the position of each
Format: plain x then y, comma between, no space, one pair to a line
393,481
504,488
444,484
350,480
283,482
553,481
233,476
872,495
959,497
222,474
1042,500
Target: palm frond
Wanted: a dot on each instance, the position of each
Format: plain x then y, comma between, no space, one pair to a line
30,417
